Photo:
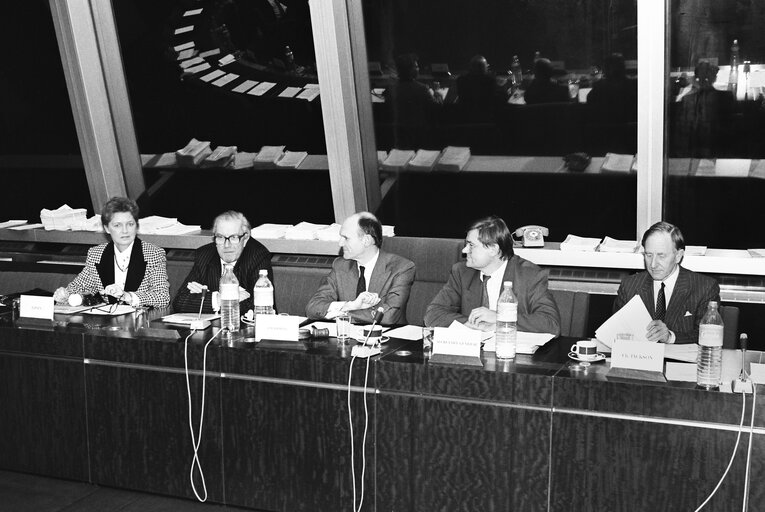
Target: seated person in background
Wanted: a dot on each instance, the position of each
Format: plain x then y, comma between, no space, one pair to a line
471,293
675,297
365,277
478,94
232,245
542,89
413,105
133,273
615,96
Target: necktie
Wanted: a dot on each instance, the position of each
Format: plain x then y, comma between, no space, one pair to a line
361,286
661,305
485,292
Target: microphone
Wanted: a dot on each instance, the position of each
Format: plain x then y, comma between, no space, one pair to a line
376,319
199,324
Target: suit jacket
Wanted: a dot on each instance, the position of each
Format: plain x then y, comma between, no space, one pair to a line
207,271
537,310
146,275
687,304
391,279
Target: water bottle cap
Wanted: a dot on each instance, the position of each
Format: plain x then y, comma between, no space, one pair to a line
263,272
508,283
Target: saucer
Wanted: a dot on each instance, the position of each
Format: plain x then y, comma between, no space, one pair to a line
598,357
383,339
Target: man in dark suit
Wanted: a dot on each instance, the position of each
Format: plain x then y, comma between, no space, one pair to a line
490,262
232,245
675,297
365,277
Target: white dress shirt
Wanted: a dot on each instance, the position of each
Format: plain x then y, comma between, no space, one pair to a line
494,286
669,287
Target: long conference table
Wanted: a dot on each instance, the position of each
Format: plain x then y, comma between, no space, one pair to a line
104,400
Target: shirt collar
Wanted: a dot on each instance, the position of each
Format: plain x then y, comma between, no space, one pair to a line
369,265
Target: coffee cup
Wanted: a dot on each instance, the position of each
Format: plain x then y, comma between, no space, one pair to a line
373,333
585,349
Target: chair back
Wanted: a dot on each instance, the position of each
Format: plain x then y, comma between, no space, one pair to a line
574,308
730,332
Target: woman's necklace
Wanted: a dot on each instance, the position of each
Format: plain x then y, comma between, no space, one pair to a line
123,268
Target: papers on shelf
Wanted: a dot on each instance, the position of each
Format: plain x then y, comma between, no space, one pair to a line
226,59
424,160
378,95
381,156
579,243
210,53
633,318
613,245
270,230
454,158
261,88
268,156
759,170
388,230
193,153
397,159
63,218
26,227
292,159
197,69
222,156
331,233
289,92
706,167
178,229
754,253
191,62
733,167
228,78
184,46
309,93
303,231
192,12
11,223
154,223
619,163
245,86
695,250
183,30
186,54
243,159
212,75
583,93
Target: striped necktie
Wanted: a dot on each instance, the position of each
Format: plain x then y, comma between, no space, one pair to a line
661,305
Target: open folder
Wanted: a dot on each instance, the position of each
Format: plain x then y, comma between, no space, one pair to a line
633,318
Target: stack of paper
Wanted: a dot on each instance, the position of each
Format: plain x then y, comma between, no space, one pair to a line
381,156
228,59
292,159
193,153
330,233
454,158
632,318
579,243
695,250
424,160
154,223
397,159
222,156
613,245
267,157
94,224
63,218
270,231
733,167
11,223
243,160
619,163
303,231
309,93
178,229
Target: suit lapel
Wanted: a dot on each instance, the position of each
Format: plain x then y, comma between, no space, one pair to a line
380,274
105,267
349,279
136,268
646,293
675,308
474,290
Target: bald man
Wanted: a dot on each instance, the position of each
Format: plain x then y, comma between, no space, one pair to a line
364,277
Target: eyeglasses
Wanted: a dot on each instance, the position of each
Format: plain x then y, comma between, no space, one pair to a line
233,239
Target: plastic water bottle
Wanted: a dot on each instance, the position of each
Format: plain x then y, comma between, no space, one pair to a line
515,70
733,75
263,295
709,359
506,333
229,300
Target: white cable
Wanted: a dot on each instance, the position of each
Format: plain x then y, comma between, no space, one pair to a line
745,504
196,439
733,455
364,438
350,426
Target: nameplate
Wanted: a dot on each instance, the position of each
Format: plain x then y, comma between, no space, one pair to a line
638,355
32,306
277,327
457,342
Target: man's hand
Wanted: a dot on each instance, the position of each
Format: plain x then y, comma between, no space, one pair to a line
365,300
195,287
657,331
243,294
482,314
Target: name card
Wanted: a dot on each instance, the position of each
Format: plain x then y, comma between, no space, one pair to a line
457,342
638,355
277,327
32,306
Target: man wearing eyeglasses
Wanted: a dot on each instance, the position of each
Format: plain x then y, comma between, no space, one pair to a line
232,245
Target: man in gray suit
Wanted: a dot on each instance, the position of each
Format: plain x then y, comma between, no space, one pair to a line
675,297
365,277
